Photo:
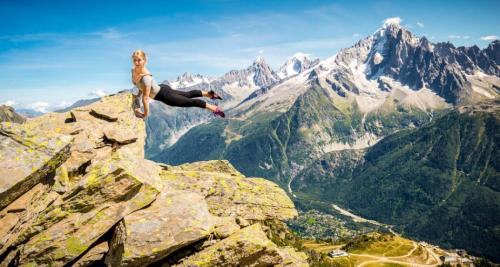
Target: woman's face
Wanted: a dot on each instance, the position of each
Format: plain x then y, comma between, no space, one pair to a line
139,61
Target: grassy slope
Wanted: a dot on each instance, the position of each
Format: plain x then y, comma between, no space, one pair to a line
374,249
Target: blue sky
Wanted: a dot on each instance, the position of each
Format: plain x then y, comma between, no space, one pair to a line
56,52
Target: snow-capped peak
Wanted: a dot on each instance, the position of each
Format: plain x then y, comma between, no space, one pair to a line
187,79
301,56
296,64
259,60
261,73
391,21
391,27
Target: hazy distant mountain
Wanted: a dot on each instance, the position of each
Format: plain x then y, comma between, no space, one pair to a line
187,80
29,113
79,103
296,64
8,113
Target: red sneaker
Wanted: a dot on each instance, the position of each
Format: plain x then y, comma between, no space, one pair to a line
213,95
219,112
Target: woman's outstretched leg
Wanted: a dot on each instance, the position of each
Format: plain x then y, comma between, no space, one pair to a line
197,93
188,94
170,97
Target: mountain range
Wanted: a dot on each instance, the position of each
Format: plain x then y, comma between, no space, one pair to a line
234,86
384,85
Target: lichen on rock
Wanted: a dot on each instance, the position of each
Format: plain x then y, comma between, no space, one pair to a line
75,189
229,193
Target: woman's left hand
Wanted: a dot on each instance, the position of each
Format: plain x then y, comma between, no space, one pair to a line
138,113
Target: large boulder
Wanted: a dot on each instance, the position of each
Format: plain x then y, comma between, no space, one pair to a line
229,193
247,247
72,223
28,155
176,219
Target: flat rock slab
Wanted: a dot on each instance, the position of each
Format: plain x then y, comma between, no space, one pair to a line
120,136
220,166
229,193
27,155
174,220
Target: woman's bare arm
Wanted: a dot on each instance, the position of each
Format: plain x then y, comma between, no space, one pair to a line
145,95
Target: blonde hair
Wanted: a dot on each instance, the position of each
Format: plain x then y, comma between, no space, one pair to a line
139,53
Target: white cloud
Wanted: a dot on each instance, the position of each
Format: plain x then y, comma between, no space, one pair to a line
62,104
394,20
40,106
9,103
452,36
31,37
489,38
110,33
355,34
420,24
99,93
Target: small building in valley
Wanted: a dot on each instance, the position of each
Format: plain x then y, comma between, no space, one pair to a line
337,253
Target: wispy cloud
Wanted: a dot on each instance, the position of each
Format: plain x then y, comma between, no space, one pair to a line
393,20
37,66
452,36
40,106
275,51
328,12
62,104
420,24
110,33
98,92
31,37
9,103
489,38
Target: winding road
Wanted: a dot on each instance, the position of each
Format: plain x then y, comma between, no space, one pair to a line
394,259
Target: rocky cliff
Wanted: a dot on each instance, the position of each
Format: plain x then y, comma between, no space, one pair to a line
8,113
75,190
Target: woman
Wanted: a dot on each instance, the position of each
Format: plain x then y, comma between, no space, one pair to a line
143,80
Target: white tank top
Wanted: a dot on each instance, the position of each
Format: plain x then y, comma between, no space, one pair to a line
147,80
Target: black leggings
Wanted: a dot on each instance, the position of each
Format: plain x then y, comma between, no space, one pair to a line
177,98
